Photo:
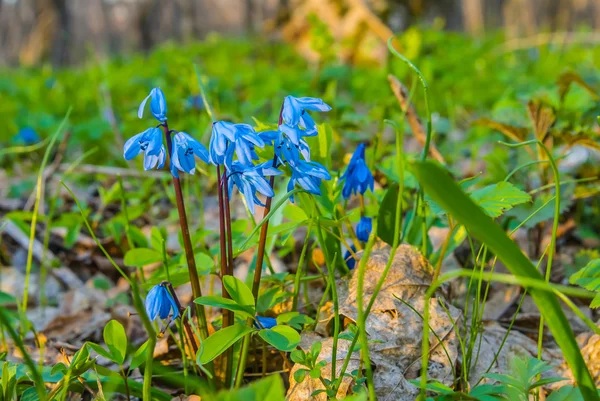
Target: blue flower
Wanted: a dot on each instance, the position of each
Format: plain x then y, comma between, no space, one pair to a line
229,138
265,322
195,102
308,175
363,229
250,179
358,176
150,143
184,149
28,136
160,302
296,121
349,258
158,105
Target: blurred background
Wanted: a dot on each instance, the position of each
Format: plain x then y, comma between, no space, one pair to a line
67,32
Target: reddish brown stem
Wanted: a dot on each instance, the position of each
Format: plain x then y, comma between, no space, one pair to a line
187,243
260,255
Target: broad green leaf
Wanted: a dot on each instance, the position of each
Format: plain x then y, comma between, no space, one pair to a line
443,190
284,338
116,340
217,301
141,256
30,394
220,341
497,198
238,291
386,220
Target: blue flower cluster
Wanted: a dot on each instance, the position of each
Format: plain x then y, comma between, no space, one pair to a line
233,146
183,148
230,140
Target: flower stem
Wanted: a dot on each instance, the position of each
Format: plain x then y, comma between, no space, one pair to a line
260,257
187,244
225,270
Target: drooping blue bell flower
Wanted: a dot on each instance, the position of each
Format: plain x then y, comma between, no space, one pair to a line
160,302
265,322
158,105
150,143
27,136
308,175
296,120
184,149
364,228
358,176
250,179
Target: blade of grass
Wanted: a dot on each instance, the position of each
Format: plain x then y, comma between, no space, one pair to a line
443,190
34,218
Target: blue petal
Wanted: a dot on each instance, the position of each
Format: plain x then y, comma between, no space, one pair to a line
143,104
132,147
266,322
290,132
158,105
312,104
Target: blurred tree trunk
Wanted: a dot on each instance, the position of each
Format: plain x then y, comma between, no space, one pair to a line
60,51
249,16
473,16
41,36
148,23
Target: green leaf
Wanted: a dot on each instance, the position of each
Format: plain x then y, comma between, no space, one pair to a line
294,319
7,299
238,291
141,257
443,190
589,278
139,357
284,338
116,340
497,198
101,351
386,220
217,301
220,341
299,375
268,389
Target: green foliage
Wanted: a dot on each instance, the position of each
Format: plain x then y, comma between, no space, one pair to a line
438,184
284,338
589,278
220,341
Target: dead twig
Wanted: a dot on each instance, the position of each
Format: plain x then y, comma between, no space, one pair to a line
413,119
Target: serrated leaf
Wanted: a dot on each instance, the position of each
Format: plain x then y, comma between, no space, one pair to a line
495,199
589,278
